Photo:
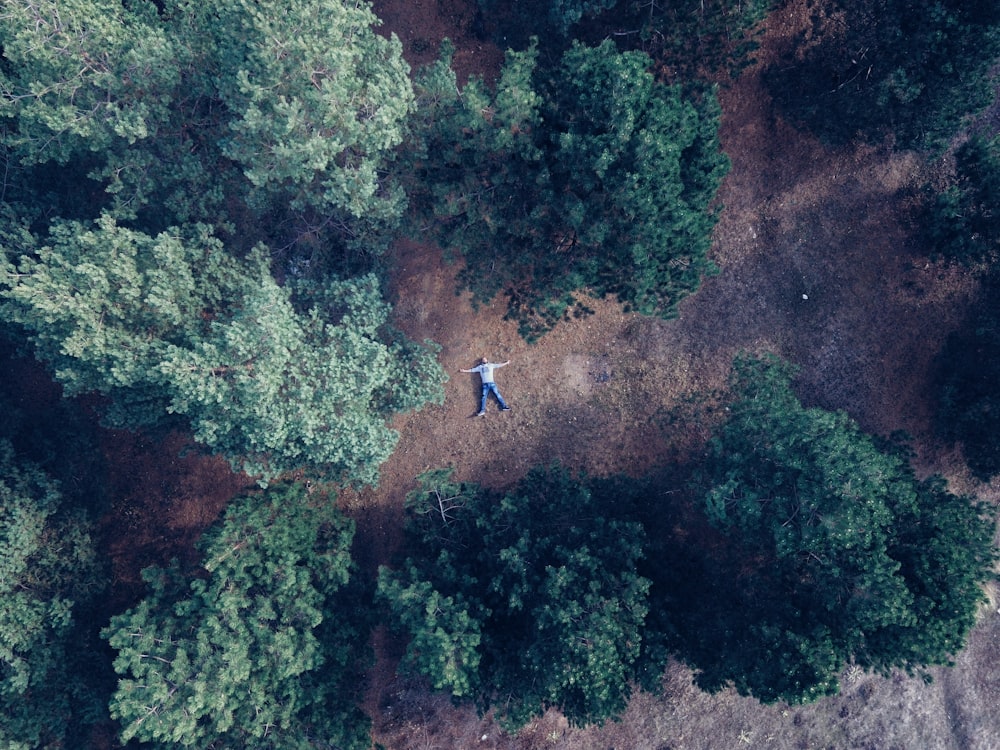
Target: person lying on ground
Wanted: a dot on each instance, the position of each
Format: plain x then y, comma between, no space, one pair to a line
485,369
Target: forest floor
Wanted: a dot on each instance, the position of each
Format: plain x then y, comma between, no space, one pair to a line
817,263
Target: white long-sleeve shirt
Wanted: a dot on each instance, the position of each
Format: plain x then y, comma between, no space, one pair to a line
486,371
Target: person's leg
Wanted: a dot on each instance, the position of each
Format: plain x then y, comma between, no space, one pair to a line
486,393
496,392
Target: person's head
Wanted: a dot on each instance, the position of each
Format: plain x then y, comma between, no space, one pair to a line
483,360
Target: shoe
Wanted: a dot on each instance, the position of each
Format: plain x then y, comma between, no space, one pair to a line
481,414
504,408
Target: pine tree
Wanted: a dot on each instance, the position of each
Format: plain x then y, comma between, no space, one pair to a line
75,73
962,221
260,650
837,553
589,177
47,571
968,396
173,324
910,68
318,97
278,115
146,130
522,602
519,19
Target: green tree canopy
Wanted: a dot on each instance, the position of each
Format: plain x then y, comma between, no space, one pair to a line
135,137
173,324
963,224
589,176
317,98
81,75
47,570
912,69
836,553
260,650
695,39
278,114
968,391
523,601
963,221
689,40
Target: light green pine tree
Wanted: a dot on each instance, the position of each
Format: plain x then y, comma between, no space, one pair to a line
252,655
173,324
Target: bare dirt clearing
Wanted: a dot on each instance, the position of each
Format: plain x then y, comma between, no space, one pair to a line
818,264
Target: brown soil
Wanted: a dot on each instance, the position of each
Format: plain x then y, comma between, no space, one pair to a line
164,494
818,264
420,25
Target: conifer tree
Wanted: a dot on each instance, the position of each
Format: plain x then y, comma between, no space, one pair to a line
47,570
317,97
836,552
968,395
82,75
173,324
587,177
146,131
258,652
910,68
521,602
518,19
963,224
277,114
